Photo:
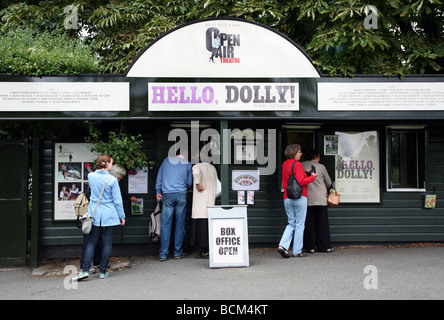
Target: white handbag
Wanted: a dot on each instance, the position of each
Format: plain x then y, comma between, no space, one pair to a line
218,188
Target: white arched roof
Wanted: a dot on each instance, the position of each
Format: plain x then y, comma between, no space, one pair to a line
247,50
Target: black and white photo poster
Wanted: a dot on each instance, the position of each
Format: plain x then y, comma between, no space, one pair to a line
73,162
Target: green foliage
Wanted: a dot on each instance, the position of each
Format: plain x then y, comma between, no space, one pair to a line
409,37
124,148
24,52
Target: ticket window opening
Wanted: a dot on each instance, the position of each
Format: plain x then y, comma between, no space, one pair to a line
304,138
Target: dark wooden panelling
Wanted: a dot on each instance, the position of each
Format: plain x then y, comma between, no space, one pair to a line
399,217
66,233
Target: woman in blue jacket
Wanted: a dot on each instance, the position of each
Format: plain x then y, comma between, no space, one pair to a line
109,214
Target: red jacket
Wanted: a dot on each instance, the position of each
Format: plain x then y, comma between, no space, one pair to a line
299,173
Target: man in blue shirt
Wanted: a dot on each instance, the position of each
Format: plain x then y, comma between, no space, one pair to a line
173,180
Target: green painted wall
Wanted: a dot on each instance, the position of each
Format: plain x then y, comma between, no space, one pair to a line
399,217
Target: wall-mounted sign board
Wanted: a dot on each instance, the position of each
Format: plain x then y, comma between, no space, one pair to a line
64,96
381,96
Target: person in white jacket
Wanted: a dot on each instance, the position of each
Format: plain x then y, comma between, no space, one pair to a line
204,194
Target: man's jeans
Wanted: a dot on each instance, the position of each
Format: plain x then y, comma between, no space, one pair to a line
172,204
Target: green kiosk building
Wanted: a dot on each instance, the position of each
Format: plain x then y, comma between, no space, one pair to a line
243,91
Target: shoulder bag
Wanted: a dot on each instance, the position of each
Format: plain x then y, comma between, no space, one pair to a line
294,189
218,188
154,224
333,198
87,221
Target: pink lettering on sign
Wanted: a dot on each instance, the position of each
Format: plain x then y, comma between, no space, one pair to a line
182,94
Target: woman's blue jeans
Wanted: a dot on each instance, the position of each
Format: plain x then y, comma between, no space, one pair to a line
296,210
108,233
173,204
97,252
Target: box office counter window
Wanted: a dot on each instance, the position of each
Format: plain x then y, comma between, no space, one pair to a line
406,162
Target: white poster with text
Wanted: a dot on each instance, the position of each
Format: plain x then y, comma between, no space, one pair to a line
357,167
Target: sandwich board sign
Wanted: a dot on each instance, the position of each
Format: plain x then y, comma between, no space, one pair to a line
228,236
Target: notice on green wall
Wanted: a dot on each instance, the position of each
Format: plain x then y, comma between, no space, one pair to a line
73,162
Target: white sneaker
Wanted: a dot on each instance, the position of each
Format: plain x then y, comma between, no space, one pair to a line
82,275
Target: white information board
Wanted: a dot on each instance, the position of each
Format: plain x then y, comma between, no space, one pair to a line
381,96
64,96
228,236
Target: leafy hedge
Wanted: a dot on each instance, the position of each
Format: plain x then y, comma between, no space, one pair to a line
37,54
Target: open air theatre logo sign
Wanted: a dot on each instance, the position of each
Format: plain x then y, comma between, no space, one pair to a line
222,46
225,49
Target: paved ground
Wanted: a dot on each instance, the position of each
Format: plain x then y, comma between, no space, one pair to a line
352,273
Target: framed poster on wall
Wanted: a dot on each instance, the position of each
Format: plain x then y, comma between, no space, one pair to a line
72,163
357,167
331,145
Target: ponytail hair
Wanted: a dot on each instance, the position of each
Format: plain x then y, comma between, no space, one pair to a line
102,161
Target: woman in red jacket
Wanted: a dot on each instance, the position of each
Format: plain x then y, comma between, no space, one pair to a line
296,209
